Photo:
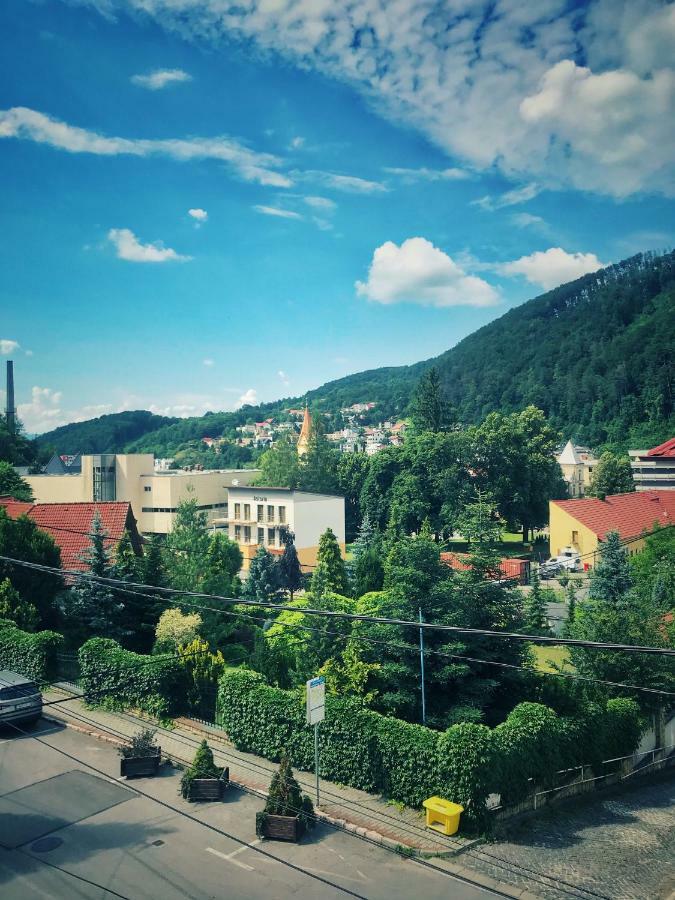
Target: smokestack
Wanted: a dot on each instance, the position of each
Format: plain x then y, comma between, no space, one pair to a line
10,411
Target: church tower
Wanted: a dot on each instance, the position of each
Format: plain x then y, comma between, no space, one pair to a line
305,431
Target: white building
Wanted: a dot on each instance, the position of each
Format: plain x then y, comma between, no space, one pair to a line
154,495
256,517
654,469
577,464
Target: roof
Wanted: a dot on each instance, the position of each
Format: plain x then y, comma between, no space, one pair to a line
628,514
665,449
70,525
568,456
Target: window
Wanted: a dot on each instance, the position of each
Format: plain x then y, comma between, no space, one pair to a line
270,514
282,514
261,511
261,536
237,510
147,488
237,533
270,536
247,534
247,512
575,537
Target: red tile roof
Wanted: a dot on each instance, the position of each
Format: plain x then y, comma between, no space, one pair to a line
666,449
629,514
70,525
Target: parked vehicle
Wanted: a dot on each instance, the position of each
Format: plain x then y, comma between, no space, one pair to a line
568,560
20,699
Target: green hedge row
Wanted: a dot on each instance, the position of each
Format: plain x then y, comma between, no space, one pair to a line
409,763
118,678
32,655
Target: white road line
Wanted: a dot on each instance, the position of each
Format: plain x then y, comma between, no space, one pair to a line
228,858
337,874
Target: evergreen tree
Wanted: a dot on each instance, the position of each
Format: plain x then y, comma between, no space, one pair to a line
479,523
262,582
367,573
366,537
571,602
611,578
152,564
92,608
290,571
428,407
186,547
534,609
279,465
16,609
319,466
330,573
611,475
13,485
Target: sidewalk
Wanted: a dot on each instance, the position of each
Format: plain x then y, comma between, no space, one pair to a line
368,815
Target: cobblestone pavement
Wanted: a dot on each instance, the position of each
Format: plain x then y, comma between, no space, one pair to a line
618,846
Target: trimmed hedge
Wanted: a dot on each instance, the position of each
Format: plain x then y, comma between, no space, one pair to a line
118,678
409,763
32,655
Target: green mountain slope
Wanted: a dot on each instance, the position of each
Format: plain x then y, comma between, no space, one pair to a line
597,355
106,434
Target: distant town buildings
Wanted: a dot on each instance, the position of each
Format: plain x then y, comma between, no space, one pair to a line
584,524
577,464
154,494
655,468
257,516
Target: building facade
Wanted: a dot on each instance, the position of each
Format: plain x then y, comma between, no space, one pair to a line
154,495
577,464
584,524
654,469
257,517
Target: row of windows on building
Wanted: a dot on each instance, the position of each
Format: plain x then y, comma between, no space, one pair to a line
173,509
263,514
268,537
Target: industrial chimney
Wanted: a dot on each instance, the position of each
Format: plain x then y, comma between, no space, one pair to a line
10,411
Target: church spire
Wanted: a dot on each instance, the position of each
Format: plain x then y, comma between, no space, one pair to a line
305,431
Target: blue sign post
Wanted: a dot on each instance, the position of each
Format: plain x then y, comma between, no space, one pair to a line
316,712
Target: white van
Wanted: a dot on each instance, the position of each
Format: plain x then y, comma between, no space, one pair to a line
20,699
568,560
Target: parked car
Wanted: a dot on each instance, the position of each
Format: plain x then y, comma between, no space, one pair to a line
568,560
20,699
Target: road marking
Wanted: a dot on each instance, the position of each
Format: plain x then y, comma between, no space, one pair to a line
337,874
228,857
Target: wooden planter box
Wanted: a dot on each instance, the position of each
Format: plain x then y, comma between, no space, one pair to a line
209,788
282,828
139,766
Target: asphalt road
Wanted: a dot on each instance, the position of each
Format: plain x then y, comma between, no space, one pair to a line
63,826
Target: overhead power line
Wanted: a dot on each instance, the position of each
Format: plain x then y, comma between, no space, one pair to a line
354,617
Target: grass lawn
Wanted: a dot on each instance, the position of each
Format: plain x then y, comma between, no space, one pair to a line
549,657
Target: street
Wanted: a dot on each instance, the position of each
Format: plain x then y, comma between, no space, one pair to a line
67,831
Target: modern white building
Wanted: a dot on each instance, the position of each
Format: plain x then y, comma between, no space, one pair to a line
654,469
154,494
256,516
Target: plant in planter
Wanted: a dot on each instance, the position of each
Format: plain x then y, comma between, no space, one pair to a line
204,780
288,812
141,756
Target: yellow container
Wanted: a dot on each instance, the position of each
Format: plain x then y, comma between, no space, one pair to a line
442,815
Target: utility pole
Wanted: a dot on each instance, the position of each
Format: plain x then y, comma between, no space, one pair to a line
424,699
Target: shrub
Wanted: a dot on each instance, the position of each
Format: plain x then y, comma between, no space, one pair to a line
120,678
203,766
528,745
285,798
32,655
623,728
465,761
141,744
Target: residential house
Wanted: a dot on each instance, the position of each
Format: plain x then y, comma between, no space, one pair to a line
577,464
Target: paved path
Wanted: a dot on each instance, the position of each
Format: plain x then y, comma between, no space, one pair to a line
619,846
367,814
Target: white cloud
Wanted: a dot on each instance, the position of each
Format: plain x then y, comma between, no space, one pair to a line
321,203
350,184
43,412
130,248
460,71
208,362
7,346
297,143
423,174
248,398
160,78
527,220
418,272
509,198
283,377
277,211
28,352
200,215
552,267
28,124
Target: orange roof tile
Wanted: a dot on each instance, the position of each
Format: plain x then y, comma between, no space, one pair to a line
628,514
665,449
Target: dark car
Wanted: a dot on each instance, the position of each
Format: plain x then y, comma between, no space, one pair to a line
20,699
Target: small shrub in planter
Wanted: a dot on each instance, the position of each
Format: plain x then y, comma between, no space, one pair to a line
288,812
141,756
204,780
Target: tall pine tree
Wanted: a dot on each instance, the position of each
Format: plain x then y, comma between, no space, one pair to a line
330,573
290,571
611,578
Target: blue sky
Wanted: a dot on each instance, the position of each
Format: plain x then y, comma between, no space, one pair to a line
366,187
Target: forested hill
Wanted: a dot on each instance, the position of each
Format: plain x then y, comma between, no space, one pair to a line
595,354
106,434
